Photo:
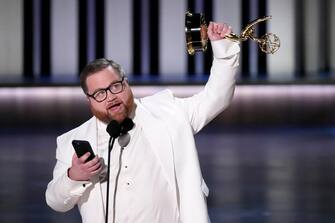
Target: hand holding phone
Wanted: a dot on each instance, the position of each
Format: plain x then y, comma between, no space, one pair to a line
81,147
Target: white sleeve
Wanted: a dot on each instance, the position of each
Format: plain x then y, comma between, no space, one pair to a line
62,193
217,94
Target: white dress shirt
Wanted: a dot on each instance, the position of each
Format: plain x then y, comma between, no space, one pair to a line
143,193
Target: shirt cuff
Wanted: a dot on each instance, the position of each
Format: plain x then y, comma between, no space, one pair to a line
73,187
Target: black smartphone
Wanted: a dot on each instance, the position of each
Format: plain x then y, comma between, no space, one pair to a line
81,147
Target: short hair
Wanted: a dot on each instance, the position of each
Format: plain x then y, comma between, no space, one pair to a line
96,66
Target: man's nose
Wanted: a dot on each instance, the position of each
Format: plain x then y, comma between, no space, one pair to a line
110,95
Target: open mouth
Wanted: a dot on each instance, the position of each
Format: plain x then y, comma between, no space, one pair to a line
114,107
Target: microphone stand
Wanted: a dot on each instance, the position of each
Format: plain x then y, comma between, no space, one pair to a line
110,147
115,130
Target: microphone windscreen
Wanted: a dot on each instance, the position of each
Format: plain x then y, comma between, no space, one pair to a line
126,125
124,140
113,129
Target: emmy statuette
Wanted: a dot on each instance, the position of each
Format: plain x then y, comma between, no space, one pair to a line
196,34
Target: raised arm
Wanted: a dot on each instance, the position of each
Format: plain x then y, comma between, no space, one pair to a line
219,89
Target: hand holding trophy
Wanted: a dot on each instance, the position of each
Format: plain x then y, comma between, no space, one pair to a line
217,31
197,38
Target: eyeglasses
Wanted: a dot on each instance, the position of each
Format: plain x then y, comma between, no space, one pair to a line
101,94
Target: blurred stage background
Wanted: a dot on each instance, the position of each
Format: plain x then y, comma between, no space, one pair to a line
268,158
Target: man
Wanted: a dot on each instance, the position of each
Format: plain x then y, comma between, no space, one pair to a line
158,173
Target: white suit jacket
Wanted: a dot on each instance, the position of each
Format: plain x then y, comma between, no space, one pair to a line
169,124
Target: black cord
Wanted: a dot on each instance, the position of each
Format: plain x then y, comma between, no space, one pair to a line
110,147
116,183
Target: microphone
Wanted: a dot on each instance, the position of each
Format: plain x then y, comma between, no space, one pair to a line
124,140
115,130
126,126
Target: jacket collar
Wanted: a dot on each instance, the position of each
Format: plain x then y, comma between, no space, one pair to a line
156,132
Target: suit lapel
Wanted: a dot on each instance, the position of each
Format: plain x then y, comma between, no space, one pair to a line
156,132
